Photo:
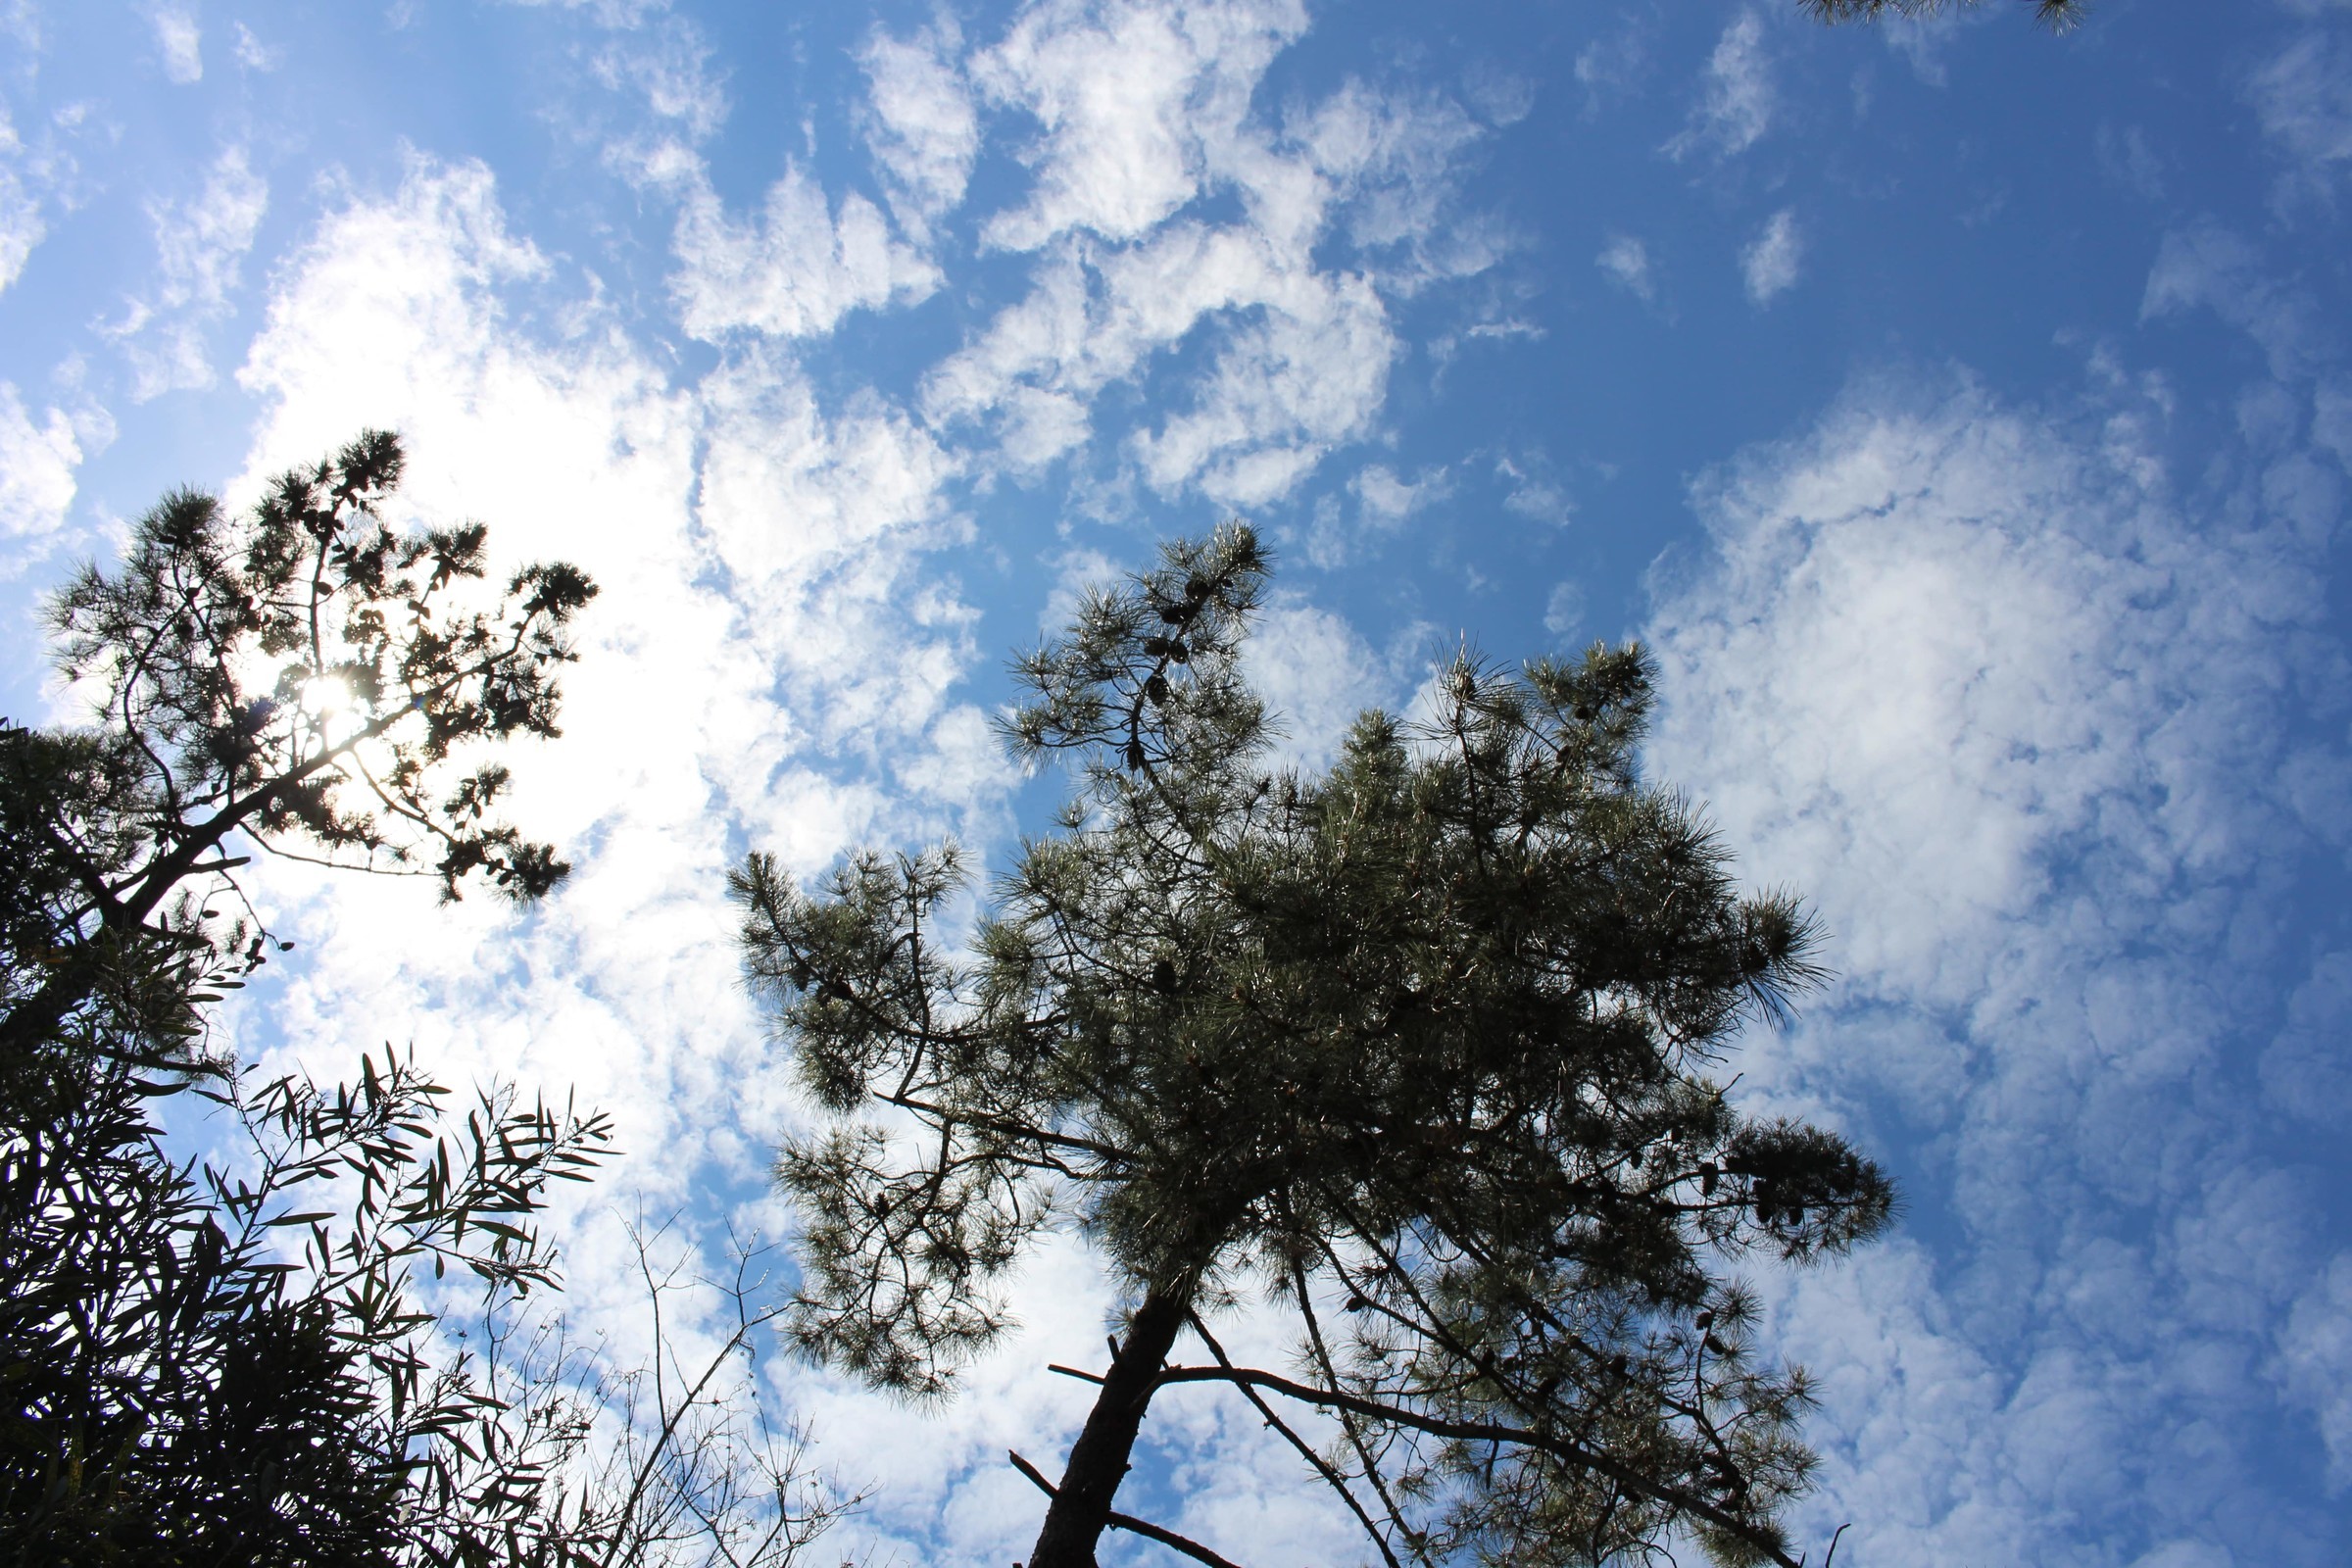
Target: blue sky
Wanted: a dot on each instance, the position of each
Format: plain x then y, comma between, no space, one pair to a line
1964,413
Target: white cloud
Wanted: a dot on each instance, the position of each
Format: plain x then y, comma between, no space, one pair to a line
1145,109
2024,733
1283,392
253,54
1769,263
1303,366
180,40
760,663
2332,420
1626,259
670,69
1383,503
925,132
200,246
2316,1358
819,516
795,270
37,460
1123,94
1534,492
2127,158
21,224
765,665
1316,673
2303,97
2203,264
1736,103
1564,611
1390,161
1386,501
2307,1070
1611,66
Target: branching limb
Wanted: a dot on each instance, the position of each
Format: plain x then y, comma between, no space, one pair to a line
1306,1451
1133,1526
1485,1432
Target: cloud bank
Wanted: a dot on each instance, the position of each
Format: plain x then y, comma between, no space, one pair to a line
2024,723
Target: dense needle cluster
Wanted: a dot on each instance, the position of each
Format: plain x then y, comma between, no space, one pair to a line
1417,1049
2056,15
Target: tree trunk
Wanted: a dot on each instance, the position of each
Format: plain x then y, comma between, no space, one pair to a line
1081,1506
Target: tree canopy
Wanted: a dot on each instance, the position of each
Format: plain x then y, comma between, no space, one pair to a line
2056,15
1416,1051
242,1361
300,680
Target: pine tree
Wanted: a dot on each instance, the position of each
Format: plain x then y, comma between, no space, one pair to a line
1415,1050
296,681
2056,15
292,681
240,1362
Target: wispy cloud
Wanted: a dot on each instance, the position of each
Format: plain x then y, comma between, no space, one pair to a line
1145,109
1770,262
2303,98
200,247
2204,263
1737,98
253,54
1626,260
21,224
179,40
1123,96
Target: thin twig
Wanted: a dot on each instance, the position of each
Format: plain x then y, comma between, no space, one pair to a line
1332,1477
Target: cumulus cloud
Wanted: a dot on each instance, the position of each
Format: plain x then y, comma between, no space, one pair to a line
926,131
1316,673
1531,489
778,669
1122,94
766,664
2315,1354
1736,97
2307,1070
1769,263
1143,108
793,271
21,224
1284,391
200,247
1610,67
1303,365
2025,732
1390,161
37,460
